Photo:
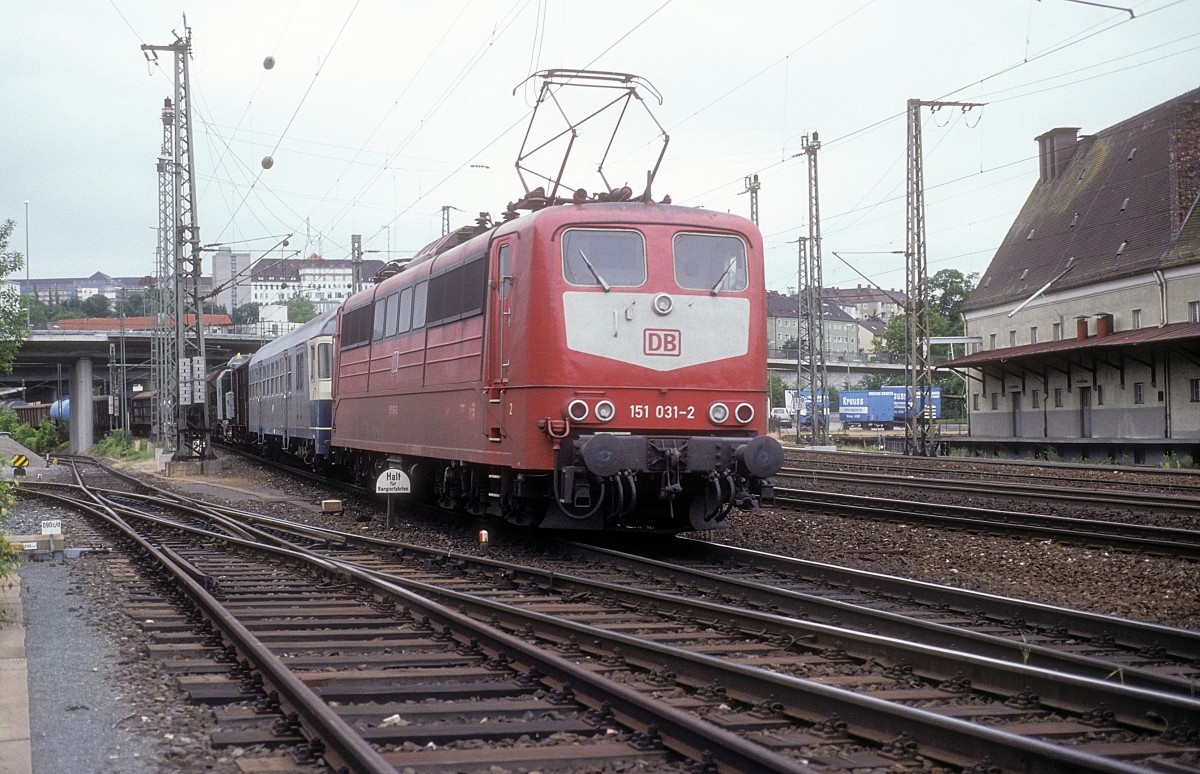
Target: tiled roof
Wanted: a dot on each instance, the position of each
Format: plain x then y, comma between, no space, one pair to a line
130,323
861,295
779,305
1140,338
1117,206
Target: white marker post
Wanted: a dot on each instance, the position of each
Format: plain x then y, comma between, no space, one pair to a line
392,481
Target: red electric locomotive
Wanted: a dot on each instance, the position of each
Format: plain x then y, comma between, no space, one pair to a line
592,365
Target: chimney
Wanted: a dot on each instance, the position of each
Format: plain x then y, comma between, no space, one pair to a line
1104,324
1055,149
1081,328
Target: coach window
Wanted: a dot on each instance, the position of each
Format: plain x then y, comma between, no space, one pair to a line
505,272
711,262
380,316
420,295
404,321
389,322
604,258
324,360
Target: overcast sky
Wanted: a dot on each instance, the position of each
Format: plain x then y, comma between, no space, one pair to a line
379,113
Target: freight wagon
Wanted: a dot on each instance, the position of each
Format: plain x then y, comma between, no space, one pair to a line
866,409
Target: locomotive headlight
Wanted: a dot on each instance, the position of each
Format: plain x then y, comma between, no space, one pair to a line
718,413
605,411
743,413
577,410
663,304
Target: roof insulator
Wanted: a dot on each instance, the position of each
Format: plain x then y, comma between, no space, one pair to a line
1024,273
1121,249
1124,204
1131,152
1074,221
1030,234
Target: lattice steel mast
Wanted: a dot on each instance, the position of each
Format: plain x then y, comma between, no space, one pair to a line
181,269
813,338
164,372
919,385
752,186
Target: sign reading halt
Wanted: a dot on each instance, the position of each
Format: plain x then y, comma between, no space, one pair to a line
393,481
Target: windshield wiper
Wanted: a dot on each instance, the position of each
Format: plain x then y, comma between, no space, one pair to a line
595,273
724,274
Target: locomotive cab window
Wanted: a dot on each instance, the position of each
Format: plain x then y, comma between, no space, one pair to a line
604,258
711,262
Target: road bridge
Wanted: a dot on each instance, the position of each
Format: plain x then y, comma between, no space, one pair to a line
52,364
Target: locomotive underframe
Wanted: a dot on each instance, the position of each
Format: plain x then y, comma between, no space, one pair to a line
600,482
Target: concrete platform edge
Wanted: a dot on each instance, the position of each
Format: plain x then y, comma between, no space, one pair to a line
15,748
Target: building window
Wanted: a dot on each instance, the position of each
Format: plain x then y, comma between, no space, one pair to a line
1139,392
975,402
1012,338
1033,339
995,401
1036,398
1196,391
1135,319
1193,311
1058,331
1058,397
992,341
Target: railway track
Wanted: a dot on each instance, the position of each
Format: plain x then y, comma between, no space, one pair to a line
1107,477
710,640
1183,543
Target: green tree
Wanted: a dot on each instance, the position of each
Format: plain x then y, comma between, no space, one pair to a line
246,314
948,291
12,314
37,312
136,303
97,306
300,309
775,389
13,322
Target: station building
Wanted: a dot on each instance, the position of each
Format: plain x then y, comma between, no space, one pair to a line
1088,316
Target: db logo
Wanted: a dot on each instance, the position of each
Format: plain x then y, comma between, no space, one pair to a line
661,342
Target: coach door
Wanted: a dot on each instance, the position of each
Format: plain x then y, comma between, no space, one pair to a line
1085,412
499,338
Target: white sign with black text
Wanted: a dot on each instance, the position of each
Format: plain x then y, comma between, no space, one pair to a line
393,481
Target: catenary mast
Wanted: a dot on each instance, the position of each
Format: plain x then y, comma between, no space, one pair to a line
179,265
